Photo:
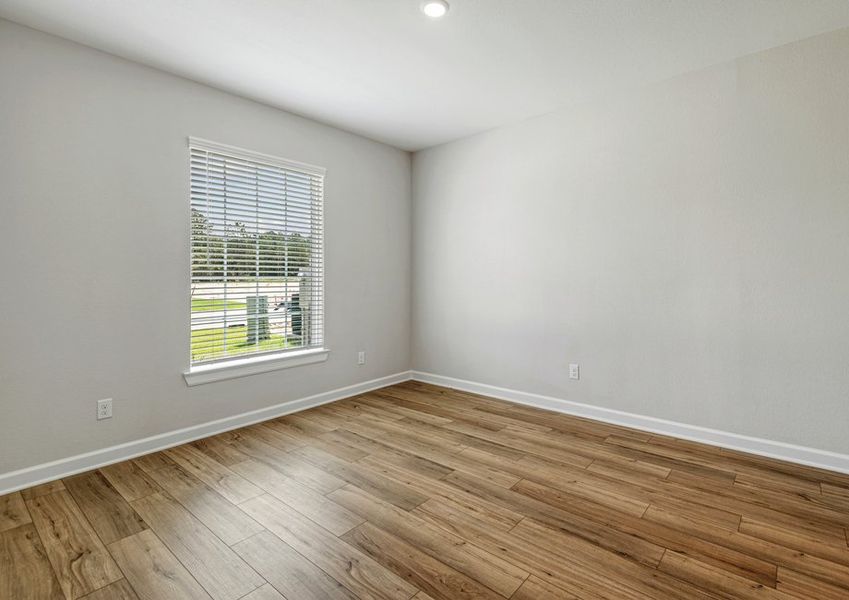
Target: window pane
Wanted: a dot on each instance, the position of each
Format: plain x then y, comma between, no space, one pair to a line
256,255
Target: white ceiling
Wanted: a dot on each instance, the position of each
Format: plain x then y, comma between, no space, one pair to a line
382,69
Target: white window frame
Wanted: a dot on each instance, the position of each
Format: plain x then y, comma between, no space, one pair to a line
241,366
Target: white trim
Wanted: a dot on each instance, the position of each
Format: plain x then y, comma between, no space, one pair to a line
30,476
253,365
269,159
813,457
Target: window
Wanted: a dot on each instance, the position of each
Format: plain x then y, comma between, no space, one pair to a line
257,262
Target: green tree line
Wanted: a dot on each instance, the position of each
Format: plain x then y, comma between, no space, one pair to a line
268,254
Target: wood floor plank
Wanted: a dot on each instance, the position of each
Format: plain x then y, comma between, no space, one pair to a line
41,490
222,517
803,511
401,457
586,485
782,556
151,462
778,482
721,583
565,424
481,565
224,481
681,466
275,436
537,589
452,407
398,446
420,491
554,445
308,421
501,516
293,426
211,562
594,529
450,414
741,462
833,549
266,592
120,590
584,577
335,445
613,466
829,489
695,512
25,571
355,409
688,478
336,519
219,450
307,473
13,511
467,460
441,440
332,419
79,559
395,438
364,477
430,575
661,536
109,513
765,503
804,587
515,447
367,579
153,572
814,512
613,566
738,460
252,445
597,533
129,480
288,571
404,411
447,437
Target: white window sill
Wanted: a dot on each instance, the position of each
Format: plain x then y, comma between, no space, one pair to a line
242,367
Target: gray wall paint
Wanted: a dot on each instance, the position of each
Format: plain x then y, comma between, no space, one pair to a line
94,255
687,244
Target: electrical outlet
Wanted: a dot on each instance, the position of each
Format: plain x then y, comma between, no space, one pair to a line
361,357
104,409
574,371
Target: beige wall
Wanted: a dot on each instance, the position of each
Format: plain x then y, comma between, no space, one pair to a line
687,244
94,254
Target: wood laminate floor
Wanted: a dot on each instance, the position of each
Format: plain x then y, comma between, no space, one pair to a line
417,491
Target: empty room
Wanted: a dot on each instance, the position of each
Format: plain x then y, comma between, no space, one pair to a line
424,299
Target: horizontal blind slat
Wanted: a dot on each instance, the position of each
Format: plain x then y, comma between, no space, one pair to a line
256,232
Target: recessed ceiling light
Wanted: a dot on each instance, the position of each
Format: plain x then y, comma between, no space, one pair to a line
435,8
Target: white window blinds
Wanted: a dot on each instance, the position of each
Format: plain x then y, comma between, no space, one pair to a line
257,253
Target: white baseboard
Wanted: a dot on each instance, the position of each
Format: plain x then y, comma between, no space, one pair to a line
812,457
30,476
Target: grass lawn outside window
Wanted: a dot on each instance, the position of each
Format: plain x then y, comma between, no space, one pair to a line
212,304
209,344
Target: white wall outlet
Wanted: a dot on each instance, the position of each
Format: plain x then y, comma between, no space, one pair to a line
574,371
361,357
104,409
